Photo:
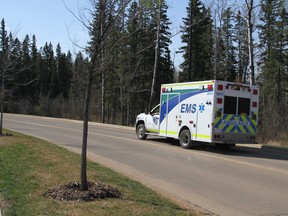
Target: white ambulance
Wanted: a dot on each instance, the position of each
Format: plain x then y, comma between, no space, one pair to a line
211,111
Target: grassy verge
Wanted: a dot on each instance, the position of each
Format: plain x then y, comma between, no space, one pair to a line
30,166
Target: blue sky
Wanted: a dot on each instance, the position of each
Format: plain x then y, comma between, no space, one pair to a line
49,20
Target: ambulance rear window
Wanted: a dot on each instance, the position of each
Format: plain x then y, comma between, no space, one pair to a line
235,105
243,106
230,105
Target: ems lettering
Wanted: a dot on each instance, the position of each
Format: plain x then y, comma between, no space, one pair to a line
188,108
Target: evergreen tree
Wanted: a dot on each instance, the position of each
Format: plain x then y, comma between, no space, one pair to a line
242,48
26,76
135,59
13,73
273,64
48,78
201,43
3,68
165,73
36,59
77,89
64,71
228,37
3,41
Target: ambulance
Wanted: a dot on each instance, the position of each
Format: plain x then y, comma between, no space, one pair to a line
211,111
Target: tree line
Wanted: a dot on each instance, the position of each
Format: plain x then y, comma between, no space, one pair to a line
132,40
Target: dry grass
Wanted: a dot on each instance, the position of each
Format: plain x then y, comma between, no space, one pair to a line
30,166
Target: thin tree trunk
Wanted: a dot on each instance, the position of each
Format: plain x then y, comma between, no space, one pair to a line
102,62
190,43
250,41
157,47
215,50
83,171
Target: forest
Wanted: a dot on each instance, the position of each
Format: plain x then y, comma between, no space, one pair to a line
128,58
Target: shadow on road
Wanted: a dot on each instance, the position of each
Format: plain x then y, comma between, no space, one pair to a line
241,151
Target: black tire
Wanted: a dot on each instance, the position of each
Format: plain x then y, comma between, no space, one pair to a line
185,139
141,132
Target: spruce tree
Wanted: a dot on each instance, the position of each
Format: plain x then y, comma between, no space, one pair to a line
36,59
165,67
201,43
26,76
48,77
241,48
273,68
228,38
63,71
3,68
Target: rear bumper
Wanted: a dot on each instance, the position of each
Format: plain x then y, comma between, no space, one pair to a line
240,138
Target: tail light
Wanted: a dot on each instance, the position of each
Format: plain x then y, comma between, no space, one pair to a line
210,87
219,100
220,87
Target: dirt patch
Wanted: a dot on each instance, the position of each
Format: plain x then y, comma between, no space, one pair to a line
72,192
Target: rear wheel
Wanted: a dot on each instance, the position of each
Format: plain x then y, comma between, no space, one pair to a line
185,139
141,132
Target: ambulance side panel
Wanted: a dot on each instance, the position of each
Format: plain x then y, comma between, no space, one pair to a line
187,106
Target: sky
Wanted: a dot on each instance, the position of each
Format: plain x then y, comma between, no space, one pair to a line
51,21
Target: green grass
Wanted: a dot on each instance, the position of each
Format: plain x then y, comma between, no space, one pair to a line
30,166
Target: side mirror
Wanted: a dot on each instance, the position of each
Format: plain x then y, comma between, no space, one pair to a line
145,111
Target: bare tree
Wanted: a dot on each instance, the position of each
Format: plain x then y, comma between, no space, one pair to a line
97,46
219,8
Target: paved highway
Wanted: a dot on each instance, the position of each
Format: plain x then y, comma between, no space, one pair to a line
241,181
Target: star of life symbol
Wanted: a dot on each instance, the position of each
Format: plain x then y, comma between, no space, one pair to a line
201,107
155,120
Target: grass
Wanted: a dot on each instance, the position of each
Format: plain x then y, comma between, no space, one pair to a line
30,166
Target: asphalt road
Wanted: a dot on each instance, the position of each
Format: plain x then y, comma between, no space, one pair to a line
241,181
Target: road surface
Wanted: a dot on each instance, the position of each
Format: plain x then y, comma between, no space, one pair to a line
241,181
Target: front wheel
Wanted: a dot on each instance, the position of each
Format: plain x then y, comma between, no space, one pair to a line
185,139
141,132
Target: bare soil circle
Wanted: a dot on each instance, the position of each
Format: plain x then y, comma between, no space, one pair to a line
72,192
